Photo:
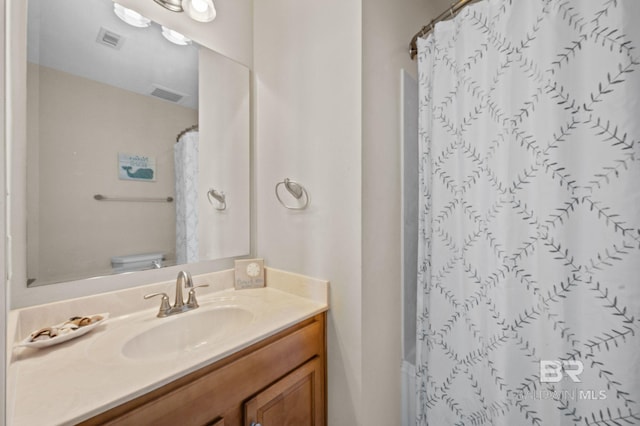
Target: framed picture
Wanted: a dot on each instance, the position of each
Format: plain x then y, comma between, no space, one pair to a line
136,167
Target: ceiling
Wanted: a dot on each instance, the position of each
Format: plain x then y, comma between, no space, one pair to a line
64,34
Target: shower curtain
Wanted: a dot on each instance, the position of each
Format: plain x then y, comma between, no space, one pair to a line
529,253
186,172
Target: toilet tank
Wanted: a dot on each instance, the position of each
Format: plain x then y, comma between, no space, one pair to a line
137,262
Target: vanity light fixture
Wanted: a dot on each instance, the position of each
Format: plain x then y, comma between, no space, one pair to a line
135,19
198,10
131,17
175,37
172,5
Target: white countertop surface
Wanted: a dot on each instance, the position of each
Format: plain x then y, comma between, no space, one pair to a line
75,380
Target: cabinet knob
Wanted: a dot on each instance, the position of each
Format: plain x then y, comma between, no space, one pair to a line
255,424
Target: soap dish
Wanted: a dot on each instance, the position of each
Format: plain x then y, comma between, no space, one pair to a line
64,331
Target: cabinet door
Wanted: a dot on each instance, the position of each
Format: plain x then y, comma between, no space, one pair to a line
295,400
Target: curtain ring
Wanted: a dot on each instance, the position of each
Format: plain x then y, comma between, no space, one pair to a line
451,11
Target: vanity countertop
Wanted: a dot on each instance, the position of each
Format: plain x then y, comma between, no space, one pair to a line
80,378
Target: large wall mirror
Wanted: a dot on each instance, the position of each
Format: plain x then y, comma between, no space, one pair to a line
114,182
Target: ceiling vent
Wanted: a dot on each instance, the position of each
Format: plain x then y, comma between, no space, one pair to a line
167,94
109,38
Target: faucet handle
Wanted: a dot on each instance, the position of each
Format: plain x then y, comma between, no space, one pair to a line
191,301
165,306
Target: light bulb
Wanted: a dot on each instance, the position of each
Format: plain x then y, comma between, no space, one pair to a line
200,10
175,37
131,17
199,5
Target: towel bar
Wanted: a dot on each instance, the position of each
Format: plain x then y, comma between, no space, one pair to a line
100,197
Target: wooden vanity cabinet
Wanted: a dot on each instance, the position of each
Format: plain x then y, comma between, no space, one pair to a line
279,381
291,401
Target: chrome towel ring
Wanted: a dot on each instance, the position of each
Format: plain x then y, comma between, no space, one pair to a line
297,191
220,197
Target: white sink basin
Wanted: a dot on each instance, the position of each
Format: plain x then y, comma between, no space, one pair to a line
187,331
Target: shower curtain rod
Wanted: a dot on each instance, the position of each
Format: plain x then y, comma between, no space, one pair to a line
447,14
185,131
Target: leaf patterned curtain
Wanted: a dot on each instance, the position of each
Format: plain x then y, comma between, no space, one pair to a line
186,170
529,253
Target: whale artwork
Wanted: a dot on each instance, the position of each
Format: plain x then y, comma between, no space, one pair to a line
136,167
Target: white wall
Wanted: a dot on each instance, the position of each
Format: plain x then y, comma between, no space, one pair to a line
388,26
323,71
223,159
307,110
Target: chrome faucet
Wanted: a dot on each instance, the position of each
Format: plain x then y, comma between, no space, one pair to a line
188,283
179,306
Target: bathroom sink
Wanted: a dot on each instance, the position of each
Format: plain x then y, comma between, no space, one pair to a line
186,332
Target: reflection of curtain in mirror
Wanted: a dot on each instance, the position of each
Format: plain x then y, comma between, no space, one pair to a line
186,169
